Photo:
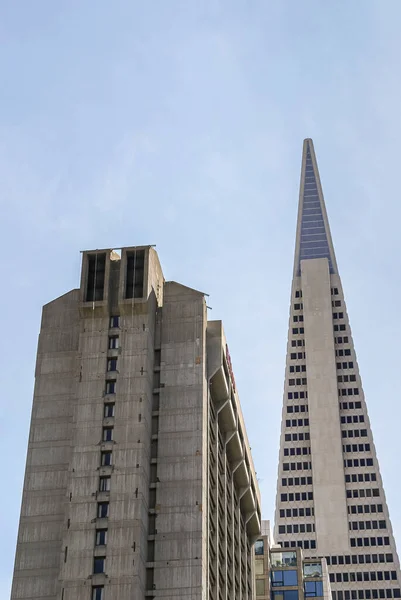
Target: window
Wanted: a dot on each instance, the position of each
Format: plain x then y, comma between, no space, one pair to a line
109,409
102,510
104,484
112,364
284,578
114,322
259,548
110,386
135,274
97,592
106,459
96,274
313,588
113,342
107,434
99,564
101,537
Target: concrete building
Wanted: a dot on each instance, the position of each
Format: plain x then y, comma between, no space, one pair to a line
330,497
139,480
286,574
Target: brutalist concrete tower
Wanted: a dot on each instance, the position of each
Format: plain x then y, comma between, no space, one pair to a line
330,497
139,480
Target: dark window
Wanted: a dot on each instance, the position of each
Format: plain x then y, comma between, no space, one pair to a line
113,342
96,273
259,545
284,578
97,592
102,510
112,364
107,434
114,322
106,459
110,387
109,409
101,537
104,484
98,564
135,274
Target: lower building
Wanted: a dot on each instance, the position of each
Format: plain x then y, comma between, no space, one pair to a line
286,575
139,480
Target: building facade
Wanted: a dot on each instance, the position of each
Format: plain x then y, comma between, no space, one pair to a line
330,498
286,574
139,481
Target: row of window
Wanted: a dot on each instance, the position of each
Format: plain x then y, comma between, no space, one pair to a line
359,559
366,594
363,493
361,525
353,419
297,395
298,330
341,339
300,528
295,343
340,327
297,423
297,408
343,352
350,405
296,481
369,541
348,391
298,318
339,315
297,368
299,466
298,381
306,544
365,508
297,512
358,462
295,437
350,433
297,451
345,365
336,303
295,355
356,448
346,378
297,497
334,291
360,477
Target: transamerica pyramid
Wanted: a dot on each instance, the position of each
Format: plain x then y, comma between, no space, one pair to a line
330,498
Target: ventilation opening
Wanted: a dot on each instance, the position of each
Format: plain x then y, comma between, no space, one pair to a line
135,274
96,273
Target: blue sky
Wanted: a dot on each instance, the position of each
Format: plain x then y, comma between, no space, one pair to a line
180,124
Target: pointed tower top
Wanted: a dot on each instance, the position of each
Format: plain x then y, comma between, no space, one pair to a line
313,232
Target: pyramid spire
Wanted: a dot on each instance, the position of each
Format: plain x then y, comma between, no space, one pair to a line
313,232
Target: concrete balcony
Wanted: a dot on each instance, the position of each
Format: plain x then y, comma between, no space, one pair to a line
234,447
219,385
226,414
241,475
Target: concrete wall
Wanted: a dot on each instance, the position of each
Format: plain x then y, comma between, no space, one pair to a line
47,476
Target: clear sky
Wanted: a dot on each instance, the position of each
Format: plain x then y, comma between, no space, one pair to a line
180,124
